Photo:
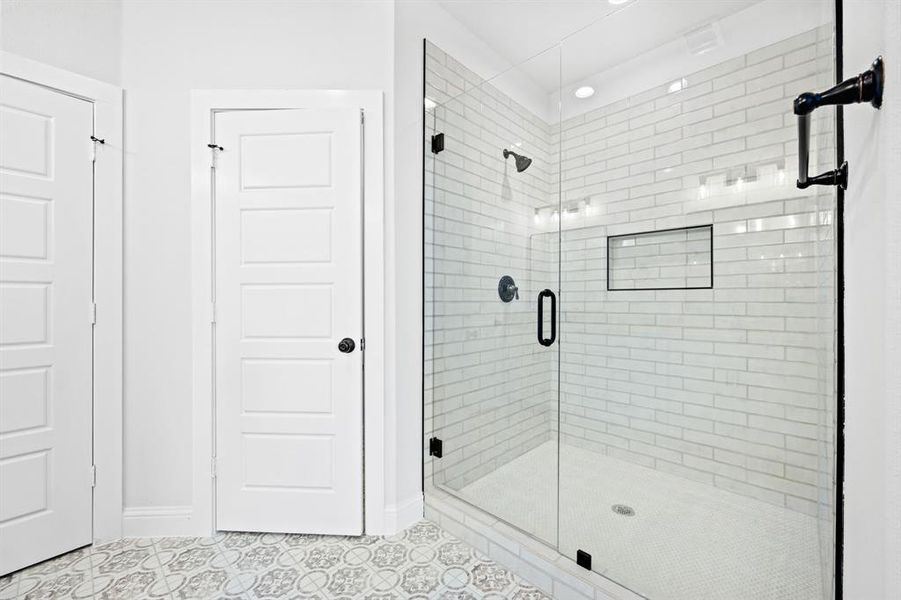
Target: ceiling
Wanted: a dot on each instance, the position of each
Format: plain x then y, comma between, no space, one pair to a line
597,34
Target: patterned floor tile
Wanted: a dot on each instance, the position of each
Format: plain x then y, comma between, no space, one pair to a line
9,586
420,563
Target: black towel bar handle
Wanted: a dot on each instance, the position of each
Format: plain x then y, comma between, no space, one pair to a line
865,87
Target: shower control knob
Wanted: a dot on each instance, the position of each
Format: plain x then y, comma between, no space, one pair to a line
346,345
507,289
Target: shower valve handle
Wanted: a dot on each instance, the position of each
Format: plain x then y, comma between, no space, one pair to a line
507,289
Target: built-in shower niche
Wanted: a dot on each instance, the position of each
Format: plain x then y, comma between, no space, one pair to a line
669,259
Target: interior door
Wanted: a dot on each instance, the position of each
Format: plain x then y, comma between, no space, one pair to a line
289,402
46,221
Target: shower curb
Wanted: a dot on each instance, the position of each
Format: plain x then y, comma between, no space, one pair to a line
539,564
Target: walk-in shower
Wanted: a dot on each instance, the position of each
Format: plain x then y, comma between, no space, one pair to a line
658,405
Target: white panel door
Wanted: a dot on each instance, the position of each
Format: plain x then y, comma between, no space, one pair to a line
46,221
289,410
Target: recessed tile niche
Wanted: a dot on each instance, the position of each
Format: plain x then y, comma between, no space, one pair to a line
668,259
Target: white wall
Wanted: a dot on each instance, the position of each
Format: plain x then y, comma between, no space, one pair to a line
873,310
82,37
168,49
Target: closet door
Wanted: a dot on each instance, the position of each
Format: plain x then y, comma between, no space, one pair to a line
46,245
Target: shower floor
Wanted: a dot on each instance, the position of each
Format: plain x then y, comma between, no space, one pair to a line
687,540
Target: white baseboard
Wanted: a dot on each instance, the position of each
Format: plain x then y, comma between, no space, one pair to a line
158,521
403,514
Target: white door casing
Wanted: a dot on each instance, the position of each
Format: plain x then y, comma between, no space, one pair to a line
46,247
288,288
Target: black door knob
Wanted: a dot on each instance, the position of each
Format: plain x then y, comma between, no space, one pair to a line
346,345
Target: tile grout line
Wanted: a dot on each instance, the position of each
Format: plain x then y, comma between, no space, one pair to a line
159,567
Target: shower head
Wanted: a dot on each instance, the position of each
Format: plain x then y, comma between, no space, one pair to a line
522,162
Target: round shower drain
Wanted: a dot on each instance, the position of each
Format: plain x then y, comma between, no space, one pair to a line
622,509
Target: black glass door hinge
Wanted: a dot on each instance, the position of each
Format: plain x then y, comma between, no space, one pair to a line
436,448
583,559
437,143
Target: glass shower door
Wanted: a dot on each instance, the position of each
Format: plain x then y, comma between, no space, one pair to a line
491,270
697,316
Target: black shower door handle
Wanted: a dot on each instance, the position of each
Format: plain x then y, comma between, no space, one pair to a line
541,296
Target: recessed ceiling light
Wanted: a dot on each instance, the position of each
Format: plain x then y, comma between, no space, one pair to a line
586,91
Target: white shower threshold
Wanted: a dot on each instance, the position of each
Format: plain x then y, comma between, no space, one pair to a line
686,540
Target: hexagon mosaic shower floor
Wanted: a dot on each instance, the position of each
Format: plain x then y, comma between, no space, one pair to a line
421,562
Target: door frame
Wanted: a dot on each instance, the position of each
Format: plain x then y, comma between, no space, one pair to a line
204,105
106,100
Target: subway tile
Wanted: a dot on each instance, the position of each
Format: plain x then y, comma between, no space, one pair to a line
709,384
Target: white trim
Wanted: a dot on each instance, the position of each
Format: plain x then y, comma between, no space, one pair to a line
203,103
404,514
155,521
107,101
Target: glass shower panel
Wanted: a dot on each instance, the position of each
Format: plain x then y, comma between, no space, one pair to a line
491,390
697,405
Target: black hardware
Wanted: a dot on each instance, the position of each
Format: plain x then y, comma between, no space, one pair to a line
583,559
98,140
215,147
522,162
436,447
346,345
541,296
865,87
837,177
437,143
507,289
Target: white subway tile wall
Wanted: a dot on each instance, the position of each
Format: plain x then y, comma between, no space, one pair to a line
731,386
489,391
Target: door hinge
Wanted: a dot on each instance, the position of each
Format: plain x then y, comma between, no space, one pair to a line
214,148
362,344
93,476
94,141
212,312
362,117
93,313
436,447
213,467
437,143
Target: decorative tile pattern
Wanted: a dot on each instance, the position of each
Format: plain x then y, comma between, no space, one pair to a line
421,562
